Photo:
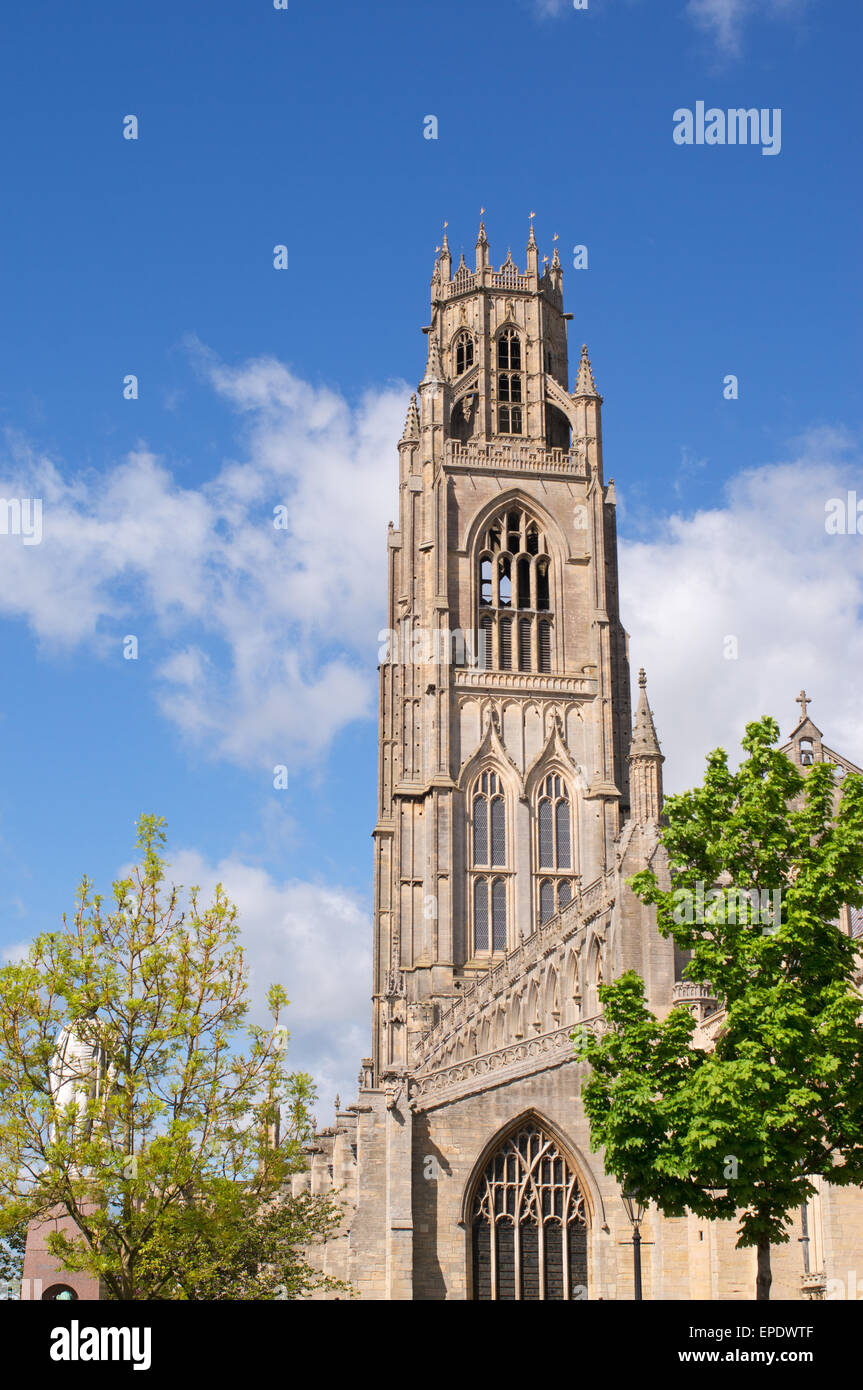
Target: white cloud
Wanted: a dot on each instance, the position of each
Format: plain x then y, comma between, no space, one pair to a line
15,952
269,636
763,570
724,20
315,940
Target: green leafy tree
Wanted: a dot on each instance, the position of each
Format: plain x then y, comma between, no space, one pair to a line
12,1246
768,858
237,1248
160,1143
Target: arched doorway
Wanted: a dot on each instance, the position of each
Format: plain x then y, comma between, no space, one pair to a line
528,1229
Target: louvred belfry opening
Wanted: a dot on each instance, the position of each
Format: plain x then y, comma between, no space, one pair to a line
528,1223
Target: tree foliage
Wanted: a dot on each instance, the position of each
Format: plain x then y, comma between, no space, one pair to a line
12,1246
167,1163
740,1129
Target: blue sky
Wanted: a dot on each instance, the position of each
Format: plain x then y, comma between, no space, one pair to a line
260,387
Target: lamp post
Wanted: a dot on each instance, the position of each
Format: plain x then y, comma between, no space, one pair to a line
635,1211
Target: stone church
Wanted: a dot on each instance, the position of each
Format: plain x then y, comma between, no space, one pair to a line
516,796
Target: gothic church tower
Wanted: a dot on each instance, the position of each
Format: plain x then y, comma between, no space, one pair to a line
504,706
506,829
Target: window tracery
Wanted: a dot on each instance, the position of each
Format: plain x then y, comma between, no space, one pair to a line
464,353
528,1223
514,574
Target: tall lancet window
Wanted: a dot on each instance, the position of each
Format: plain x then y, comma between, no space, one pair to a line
514,591
510,383
488,847
554,857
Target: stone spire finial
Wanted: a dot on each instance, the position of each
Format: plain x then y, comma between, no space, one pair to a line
644,744
645,762
434,371
481,244
584,383
411,430
555,272
445,256
803,700
532,249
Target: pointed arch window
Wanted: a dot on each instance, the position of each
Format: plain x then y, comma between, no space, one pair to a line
480,830
528,1223
489,852
555,844
553,847
513,575
546,834
561,834
498,832
510,383
509,350
489,821
463,353
554,896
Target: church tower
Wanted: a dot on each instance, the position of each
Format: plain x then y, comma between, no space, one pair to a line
504,699
516,801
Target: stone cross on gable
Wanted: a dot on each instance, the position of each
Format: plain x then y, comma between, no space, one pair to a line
803,700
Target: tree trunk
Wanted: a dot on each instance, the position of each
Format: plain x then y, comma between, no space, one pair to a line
765,1277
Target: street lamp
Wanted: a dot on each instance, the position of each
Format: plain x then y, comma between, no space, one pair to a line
635,1211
